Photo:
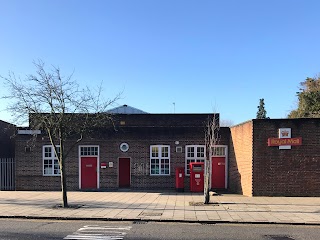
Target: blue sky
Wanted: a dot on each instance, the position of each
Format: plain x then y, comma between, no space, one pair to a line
203,56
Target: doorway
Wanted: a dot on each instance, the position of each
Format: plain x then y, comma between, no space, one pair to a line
124,173
89,172
218,172
219,168
89,167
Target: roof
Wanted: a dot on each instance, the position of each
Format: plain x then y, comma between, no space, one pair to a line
125,109
6,123
161,120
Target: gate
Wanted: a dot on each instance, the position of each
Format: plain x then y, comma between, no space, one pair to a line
7,174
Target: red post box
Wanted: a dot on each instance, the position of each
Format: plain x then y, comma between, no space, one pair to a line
196,176
180,179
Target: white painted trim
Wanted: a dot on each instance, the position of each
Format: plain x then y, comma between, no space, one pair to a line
43,156
186,156
160,157
226,163
119,170
98,163
227,167
29,132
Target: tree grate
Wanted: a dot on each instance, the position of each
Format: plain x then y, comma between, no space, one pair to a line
201,204
140,222
279,237
72,206
150,214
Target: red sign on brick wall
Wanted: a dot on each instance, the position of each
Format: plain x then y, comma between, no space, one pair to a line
284,141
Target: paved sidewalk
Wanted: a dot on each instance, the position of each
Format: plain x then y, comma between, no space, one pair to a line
161,206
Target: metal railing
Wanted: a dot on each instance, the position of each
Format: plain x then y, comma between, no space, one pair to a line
7,174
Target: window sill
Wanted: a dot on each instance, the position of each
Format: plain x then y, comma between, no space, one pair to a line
160,175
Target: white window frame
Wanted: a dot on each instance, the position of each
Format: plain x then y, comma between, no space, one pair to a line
161,158
53,158
195,158
89,151
218,154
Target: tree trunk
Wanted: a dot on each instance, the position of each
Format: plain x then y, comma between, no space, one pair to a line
207,182
63,186
207,196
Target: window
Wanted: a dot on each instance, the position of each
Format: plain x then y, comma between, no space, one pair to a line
219,151
50,161
194,153
159,160
89,151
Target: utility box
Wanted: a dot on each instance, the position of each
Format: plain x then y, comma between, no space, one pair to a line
196,177
180,179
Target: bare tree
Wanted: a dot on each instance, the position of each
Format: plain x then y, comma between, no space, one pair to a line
58,107
211,139
226,123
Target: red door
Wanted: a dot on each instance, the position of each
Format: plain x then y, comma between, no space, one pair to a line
89,172
124,172
218,176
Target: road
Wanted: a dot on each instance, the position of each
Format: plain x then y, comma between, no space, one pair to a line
14,229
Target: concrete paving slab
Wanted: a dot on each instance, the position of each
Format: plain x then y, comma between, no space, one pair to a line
161,206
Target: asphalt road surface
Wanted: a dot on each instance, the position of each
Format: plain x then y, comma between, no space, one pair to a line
13,229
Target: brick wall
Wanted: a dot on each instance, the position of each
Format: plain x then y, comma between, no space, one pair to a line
294,172
29,166
253,168
186,129
240,158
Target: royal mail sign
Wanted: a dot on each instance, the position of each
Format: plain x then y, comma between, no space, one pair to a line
284,141
284,133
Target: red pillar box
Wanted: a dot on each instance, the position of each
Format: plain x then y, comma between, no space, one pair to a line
196,177
180,179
